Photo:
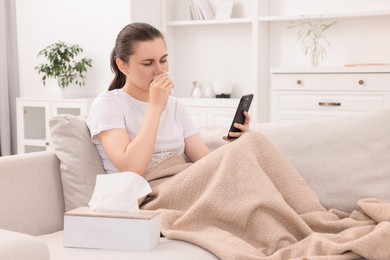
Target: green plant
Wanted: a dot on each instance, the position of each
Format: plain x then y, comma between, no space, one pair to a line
312,38
62,64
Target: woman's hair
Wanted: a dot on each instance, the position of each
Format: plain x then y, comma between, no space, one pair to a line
125,43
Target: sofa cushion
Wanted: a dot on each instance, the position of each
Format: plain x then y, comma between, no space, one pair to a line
79,160
31,197
343,158
167,249
18,246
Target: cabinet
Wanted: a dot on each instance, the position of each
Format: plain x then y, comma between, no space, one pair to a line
311,93
33,114
212,112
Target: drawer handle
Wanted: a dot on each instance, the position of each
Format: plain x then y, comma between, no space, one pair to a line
299,82
361,82
329,104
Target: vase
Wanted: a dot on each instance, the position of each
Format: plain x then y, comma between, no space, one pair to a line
196,92
209,92
314,58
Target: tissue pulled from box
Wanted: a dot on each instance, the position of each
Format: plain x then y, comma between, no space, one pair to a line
118,192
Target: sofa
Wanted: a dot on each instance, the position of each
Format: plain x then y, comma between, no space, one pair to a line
343,159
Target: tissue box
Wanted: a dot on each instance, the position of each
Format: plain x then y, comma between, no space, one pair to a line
111,230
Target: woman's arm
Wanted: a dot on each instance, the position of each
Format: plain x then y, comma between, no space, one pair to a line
195,148
132,155
135,154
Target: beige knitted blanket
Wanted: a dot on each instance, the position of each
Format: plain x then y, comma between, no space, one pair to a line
246,201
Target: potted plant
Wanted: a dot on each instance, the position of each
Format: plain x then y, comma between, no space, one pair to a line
63,63
312,38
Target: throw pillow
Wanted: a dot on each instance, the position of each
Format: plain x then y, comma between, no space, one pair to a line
80,162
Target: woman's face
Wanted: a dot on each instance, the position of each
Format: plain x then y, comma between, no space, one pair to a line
150,58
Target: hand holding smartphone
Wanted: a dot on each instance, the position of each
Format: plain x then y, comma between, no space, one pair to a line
245,103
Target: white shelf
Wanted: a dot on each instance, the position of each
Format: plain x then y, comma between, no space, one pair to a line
284,18
210,102
357,69
210,22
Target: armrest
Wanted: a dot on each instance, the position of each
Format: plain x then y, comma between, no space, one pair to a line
17,246
31,198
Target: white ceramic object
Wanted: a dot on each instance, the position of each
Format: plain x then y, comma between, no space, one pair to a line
223,86
209,92
196,92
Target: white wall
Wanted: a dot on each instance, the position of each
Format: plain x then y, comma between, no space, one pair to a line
353,40
91,24
95,24
299,7
147,11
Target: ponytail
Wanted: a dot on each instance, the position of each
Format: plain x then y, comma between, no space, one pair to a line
119,79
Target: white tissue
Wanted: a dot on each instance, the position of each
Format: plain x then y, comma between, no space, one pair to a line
118,192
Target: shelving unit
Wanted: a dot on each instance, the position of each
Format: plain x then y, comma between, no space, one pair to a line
208,50
33,114
238,48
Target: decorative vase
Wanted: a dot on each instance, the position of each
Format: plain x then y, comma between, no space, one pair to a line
196,92
315,54
209,92
314,60
311,35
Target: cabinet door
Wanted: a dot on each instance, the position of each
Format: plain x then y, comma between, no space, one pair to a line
335,82
33,115
32,127
72,108
305,104
221,116
198,115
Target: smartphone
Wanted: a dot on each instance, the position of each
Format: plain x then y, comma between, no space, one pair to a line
245,103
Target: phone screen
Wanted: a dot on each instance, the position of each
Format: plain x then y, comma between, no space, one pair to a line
245,103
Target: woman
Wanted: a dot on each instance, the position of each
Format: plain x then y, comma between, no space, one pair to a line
136,123
243,200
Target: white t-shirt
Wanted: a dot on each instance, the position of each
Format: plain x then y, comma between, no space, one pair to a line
116,109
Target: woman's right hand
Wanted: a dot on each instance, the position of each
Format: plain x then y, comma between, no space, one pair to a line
243,127
160,89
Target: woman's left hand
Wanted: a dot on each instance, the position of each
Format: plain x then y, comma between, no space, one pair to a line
244,128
